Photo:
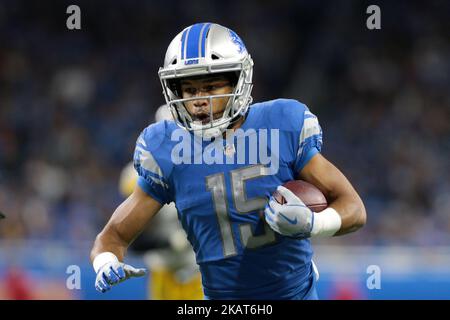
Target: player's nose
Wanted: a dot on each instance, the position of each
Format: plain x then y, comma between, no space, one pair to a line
200,102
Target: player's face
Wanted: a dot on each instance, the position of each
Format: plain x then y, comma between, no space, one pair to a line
199,109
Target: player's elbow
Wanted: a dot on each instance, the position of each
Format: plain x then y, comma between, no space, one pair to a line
360,215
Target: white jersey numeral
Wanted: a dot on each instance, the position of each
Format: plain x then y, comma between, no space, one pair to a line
216,184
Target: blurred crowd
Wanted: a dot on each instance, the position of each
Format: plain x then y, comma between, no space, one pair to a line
72,104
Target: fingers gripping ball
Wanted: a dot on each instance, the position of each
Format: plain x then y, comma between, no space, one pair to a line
308,193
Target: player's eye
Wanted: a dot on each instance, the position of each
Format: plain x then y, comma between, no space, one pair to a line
209,88
190,90
215,86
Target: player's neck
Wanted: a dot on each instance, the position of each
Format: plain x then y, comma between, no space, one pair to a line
234,126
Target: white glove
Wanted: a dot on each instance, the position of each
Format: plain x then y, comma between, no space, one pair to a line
111,271
293,219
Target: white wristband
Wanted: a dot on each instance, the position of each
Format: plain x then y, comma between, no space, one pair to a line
326,223
103,258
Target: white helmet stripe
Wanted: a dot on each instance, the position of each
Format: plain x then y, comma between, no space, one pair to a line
183,42
202,42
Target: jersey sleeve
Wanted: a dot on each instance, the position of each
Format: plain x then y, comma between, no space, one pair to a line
309,140
151,165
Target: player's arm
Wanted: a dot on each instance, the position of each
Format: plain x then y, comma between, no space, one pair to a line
340,194
128,220
345,213
111,244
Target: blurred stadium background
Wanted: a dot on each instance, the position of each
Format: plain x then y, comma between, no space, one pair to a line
72,104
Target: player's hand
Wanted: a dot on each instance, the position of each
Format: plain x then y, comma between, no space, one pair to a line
115,272
293,218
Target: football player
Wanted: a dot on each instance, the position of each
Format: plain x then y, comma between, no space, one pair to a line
246,247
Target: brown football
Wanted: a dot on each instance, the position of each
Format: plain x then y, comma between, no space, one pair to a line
310,194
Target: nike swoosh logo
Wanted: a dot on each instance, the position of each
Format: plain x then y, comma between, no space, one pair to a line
289,220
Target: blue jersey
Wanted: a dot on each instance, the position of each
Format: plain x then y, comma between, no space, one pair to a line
220,189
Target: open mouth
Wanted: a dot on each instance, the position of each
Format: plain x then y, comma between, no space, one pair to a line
204,118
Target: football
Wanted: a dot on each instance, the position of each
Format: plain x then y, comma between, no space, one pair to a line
308,193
